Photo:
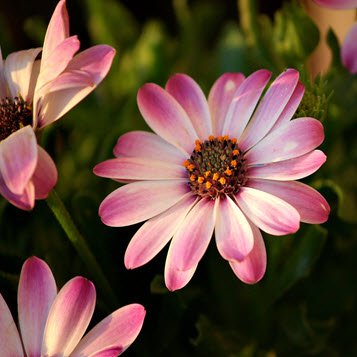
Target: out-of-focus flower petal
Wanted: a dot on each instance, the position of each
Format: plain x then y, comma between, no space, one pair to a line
349,50
18,159
139,201
337,4
166,117
36,293
120,328
154,234
310,204
69,317
10,343
268,212
190,96
233,233
220,97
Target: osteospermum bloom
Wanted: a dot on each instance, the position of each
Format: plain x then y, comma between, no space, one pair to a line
227,165
52,324
36,92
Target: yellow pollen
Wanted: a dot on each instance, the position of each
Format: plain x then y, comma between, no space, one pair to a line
228,172
211,138
207,173
208,185
186,163
235,152
226,137
220,138
192,177
234,163
200,179
197,142
234,141
222,180
215,176
190,167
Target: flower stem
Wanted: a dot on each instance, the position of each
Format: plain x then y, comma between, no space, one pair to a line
59,210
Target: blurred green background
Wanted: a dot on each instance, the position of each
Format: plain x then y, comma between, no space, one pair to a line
306,303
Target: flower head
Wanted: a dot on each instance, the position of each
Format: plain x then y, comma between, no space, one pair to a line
52,324
226,165
36,92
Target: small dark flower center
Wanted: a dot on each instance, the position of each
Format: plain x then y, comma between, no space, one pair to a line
15,113
216,167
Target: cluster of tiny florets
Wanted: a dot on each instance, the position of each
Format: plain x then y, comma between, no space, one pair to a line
216,167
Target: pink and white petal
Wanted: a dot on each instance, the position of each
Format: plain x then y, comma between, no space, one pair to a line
166,117
349,50
18,70
191,98
69,317
138,201
57,30
45,175
253,267
10,343
233,234
220,97
154,234
146,145
132,168
292,169
25,201
290,107
311,205
86,71
194,234
270,213
3,86
108,352
294,139
36,293
18,159
244,102
337,4
120,328
269,109
176,279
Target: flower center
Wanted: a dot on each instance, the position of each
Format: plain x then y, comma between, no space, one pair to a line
216,167
14,114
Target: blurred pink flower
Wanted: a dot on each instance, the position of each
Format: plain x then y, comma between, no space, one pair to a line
220,166
52,324
36,92
349,46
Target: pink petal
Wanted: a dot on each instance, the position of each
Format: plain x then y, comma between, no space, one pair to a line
234,236
138,201
221,96
243,103
10,343
296,138
190,96
174,278
94,64
154,234
118,329
57,30
291,106
18,159
3,86
292,169
310,204
253,267
148,146
18,70
269,109
349,50
45,175
36,293
337,4
132,168
166,117
108,352
25,201
193,236
69,317
268,212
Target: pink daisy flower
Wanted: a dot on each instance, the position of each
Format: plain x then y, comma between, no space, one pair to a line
33,94
52,324
226,165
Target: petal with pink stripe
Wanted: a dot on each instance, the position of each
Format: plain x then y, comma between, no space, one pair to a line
349,50
108,352
337,4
